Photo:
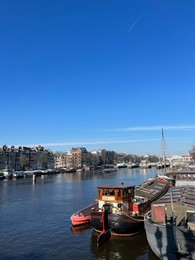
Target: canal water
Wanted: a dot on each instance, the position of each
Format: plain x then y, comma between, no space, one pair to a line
35,218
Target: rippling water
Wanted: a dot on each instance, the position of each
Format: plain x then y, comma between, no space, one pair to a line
35,218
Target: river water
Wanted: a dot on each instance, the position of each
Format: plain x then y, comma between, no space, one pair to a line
35,218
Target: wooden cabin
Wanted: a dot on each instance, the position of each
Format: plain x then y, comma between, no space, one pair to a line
116,196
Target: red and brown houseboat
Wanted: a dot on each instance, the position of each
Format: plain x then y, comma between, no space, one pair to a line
121,208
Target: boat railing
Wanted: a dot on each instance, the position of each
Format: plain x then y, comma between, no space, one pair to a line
148,216
128,214
86,210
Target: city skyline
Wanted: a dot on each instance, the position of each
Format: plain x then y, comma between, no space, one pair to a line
102,75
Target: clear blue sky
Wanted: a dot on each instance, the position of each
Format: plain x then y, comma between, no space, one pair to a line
99,74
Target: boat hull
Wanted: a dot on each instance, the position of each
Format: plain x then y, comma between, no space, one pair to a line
170,242
82,216
118,224
79,220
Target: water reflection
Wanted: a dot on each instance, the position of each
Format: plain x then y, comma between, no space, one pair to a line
121,248
124,248
81,228
128,173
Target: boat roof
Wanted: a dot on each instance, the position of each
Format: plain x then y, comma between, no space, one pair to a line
178,194
121,186
150,188
183,171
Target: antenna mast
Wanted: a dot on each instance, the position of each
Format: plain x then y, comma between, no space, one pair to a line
163,150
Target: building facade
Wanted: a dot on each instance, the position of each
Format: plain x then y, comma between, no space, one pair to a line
26,158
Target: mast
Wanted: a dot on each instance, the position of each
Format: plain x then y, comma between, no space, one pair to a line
163,150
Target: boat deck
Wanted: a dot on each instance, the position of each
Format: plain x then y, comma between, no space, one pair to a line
87,210
178,201
150,189
179,194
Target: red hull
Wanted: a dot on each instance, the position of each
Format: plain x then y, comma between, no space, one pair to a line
79,220
83,216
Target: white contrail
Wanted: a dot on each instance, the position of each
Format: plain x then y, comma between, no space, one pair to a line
136,21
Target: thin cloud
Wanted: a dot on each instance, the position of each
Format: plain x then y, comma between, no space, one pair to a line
154,128
89,142
130,129
95,142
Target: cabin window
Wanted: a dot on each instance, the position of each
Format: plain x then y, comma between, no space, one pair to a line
178,177
129,191
111,192
119,193
184,177
104,191
124,192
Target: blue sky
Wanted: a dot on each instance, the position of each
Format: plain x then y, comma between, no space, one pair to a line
99,74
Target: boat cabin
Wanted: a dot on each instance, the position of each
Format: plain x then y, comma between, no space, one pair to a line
116,196
183,177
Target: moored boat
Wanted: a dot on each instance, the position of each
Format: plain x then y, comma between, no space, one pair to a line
121,165
70,170
171,180
133,165
82,216
182,177
109,170
8,174
18,174
2,177
121,208
170,226
80,170
144,164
